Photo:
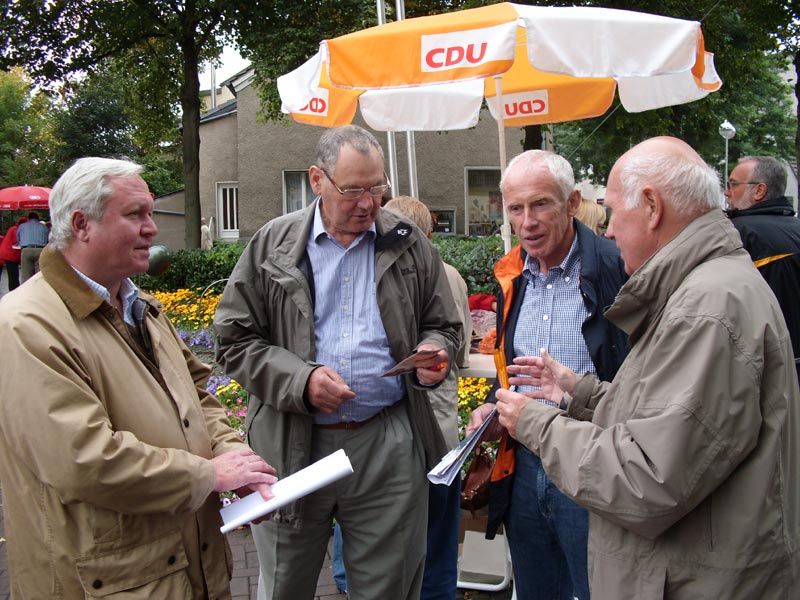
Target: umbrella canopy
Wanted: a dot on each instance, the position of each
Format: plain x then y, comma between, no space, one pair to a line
24,197
531,64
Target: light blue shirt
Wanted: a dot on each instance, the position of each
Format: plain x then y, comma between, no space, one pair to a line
552,315
128,292
349,332
32,233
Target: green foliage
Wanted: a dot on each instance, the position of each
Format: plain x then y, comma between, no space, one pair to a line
25,133
473,257
195,269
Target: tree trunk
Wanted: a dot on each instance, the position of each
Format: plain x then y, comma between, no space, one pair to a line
797,95
533,137
190,105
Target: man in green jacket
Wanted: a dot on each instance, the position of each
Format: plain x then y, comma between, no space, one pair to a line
688,466
322,302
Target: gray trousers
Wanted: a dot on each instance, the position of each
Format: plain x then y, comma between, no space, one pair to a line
382,508
30,262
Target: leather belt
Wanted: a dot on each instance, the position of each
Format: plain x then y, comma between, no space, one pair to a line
32,246
351,424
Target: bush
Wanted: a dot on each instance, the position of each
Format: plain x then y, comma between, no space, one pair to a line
474,257
195,269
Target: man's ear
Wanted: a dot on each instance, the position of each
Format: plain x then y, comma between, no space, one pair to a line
759,192
80,225
315,176
573,202
654,207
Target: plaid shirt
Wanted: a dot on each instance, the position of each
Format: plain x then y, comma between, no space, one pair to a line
552,314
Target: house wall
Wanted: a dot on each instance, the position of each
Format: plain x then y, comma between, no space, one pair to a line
218,161
168,213
266,150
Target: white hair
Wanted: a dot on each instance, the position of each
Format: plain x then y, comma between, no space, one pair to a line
85,186
558,166
691,187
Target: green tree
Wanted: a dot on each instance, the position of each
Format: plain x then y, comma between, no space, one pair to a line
26,140
98,118
159,44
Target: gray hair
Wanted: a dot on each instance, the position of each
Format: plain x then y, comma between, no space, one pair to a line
558,166
691,187
85,186
332,141
771,172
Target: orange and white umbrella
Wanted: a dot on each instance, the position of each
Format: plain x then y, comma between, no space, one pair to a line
540,64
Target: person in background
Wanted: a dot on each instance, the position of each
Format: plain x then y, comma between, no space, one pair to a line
31,237
688,464
592,214
770,230
12,254
112,452
554,287
322,302
206,241
444,512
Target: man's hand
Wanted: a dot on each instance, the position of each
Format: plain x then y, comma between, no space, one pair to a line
326,390
476,419
238,468
547,373
509,407
434,369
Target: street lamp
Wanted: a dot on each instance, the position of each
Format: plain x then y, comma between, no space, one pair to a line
727,131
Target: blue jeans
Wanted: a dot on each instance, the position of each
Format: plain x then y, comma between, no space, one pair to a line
441,559
548,535
337,560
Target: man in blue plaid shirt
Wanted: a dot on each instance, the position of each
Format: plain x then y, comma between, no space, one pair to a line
554,287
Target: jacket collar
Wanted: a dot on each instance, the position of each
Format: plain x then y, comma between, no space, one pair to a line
777,206
643,296
78,297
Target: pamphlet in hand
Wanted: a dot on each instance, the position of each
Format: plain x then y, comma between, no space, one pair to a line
445,472
286,490
410,364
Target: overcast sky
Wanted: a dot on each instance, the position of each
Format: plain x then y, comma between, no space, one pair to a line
232,63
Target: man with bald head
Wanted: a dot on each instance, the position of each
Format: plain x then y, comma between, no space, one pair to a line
688,462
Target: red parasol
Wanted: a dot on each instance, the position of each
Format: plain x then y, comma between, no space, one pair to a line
24,197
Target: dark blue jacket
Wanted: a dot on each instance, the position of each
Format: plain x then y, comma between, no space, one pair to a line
771,235
602,274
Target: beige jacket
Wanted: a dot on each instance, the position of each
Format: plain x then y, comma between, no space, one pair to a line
689,467
107,488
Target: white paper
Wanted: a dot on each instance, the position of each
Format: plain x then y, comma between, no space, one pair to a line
445,472
286,490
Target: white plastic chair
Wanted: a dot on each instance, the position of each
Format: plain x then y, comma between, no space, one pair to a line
484,564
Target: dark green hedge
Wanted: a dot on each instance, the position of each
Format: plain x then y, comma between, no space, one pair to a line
474,258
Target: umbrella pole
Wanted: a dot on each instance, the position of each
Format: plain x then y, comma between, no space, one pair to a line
505,228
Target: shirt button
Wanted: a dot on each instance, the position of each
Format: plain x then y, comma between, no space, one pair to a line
541,350
171,560
549,286
566,278
204,547
346,279
186,422
545,317
97,584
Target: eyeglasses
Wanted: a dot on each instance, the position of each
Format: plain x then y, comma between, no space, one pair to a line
733,183
376,191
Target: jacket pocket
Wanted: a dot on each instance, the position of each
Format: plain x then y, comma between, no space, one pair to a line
156,569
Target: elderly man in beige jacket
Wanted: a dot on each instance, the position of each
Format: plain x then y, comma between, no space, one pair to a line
111,450
687,461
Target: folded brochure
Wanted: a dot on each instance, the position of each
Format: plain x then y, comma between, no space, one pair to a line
286,490
410,364
445,472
